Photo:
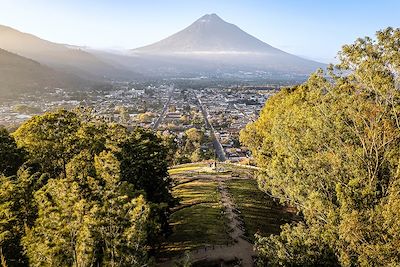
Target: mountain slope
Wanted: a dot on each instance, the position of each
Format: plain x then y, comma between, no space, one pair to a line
58,56
211,45
210,34
19,74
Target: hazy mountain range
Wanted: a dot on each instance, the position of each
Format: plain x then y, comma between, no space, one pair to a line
208,47
63,57
19,74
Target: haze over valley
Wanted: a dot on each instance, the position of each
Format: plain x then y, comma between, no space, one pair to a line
208,48
204,139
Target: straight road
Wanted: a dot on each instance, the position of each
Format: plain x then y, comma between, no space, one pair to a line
219,150
165,108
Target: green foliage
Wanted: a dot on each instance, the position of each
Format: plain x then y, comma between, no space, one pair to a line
143,164
107,202
190,149
171,146
50,139
11,157
196,155
260,213
330,148
194,135
302,247
80,223
62,234
17,211
122,218
8,218
123,113
145,117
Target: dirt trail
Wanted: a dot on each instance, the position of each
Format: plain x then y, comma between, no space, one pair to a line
241,249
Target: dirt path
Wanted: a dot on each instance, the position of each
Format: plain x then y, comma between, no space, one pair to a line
241,249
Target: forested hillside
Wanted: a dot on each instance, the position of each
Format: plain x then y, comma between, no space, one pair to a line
330,147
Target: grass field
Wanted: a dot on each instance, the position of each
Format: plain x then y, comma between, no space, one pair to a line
197,191
198,225
258,211
198,221
183,169
204,168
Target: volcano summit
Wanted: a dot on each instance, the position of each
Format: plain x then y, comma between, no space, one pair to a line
211,44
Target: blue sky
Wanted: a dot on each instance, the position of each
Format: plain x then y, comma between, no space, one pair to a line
314,29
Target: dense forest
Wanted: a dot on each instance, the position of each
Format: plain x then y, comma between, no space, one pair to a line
76,191
331,148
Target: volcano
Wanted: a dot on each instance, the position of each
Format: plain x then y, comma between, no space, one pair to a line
210,34
212,44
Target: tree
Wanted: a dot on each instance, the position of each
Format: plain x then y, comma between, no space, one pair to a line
123,217
17,211
89,218
54,138
145,117
197,155
11,157
8,217
63,232
172,108
184,119
107,202
191,150
123,113
143,165
330,148
50,139
194,135
169,142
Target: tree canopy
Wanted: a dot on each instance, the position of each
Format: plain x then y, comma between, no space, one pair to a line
11,157
78,191
330,147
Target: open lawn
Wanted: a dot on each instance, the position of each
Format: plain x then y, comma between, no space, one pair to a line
183,169
205,168
199,221
197,191
195,227
258,211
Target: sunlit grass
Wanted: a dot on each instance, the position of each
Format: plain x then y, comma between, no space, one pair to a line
200,222
183,169
258,211
197,191
195,227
